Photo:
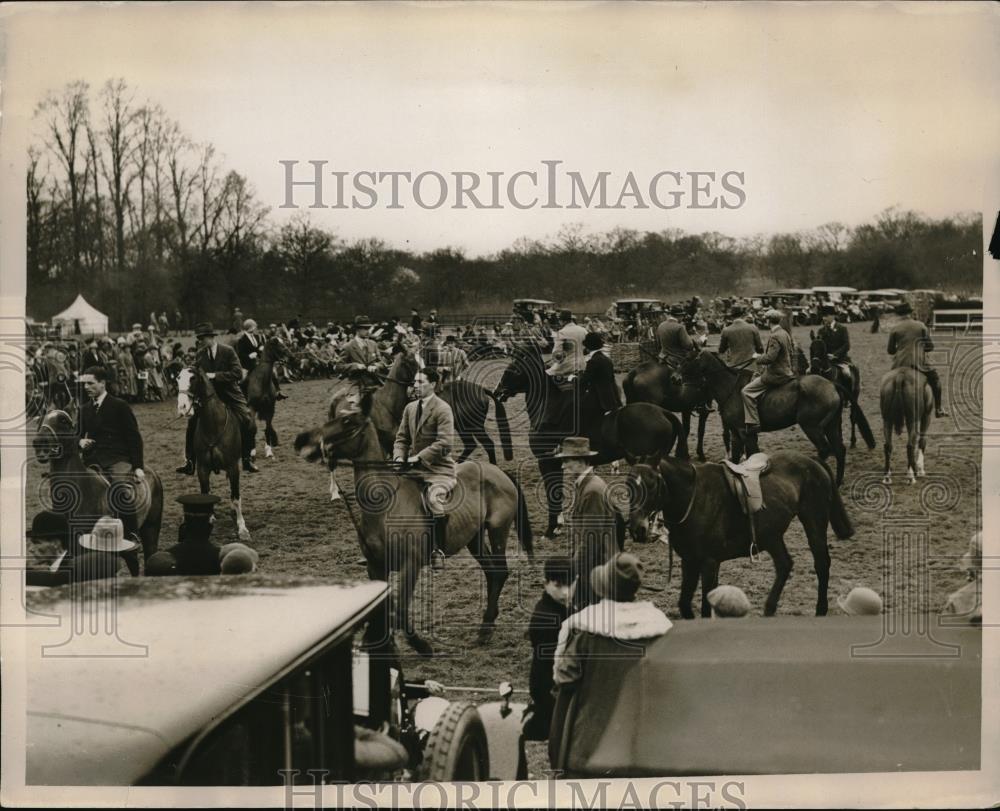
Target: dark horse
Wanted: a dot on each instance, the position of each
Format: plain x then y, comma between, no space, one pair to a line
812,402
392,525
83,495
849,384
654,382
470,403
707,526
217,444
905,398
636,431
261,393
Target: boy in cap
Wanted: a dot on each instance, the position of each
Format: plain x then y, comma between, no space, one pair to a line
728,601
861,601
550,611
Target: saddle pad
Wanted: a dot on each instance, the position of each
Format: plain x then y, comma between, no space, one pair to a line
744,481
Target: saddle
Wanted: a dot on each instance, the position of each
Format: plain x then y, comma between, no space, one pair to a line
744,481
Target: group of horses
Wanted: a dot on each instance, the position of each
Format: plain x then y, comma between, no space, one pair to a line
705,523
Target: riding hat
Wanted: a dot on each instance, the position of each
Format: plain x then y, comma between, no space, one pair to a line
904,309
574,447
204,328
48,524
618,579
108,535
592,341
198,504
860,600
729,601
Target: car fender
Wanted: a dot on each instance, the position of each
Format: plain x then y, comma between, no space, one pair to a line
503,733
428,711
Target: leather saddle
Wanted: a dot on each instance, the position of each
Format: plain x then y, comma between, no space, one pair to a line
744,481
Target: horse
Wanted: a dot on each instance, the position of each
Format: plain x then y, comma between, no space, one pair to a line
811,402
217,442
707,525
393,520
632,432
654,382
261,393
470,403
905,397
83,494
849,385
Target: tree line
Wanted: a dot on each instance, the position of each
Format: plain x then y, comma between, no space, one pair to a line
127,208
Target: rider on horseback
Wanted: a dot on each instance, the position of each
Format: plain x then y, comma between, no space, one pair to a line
567,363
361,358
424,441
222,366
674,342
908,341
110,439
740,341
836,339
777,359
249,348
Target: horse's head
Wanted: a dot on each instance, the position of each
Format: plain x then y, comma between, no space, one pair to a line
525,370
646,494
275,349
341,437
193,389
56,437
405,365
819,360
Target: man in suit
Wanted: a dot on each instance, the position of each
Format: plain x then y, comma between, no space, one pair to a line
740,341
424,440
110,438
599,390
361,357
777,360
908,341
91,357
567,347
673,340
837,340
222,366
453,358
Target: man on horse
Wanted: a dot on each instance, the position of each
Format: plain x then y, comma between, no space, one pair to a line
361,358
673,340
424,440
777,360
249,348
908,341
836,339
222,366
739,341
110,439
599,390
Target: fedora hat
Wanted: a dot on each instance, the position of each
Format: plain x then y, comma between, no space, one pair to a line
204,328
574,447
108,535
729,601
860,600
362,321
619,578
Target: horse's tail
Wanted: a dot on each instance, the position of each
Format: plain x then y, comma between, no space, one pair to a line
897,404
503,425
862,422
523,520
839,519
628,386
678,427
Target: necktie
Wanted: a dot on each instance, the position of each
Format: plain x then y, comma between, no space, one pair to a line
420,411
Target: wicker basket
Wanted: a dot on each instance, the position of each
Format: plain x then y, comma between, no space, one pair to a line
626,356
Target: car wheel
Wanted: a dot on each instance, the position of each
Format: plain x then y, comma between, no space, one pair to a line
456,748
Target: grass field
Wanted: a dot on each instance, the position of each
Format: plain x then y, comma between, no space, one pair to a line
297,530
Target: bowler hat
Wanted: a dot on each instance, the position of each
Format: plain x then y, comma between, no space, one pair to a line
859,601
198,504
566,315
204,328
904,309
592,341
108,535
48,524
574,447
618,579
729,601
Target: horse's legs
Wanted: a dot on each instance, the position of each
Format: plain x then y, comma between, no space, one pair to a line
702,420
683,451
409,572
690,571
204,474
494,562
270,438
551,472
782,569
487,442
234,494
469,443
815,524
887,449
709,580
911,454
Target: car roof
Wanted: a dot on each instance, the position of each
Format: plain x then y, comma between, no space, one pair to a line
532,301
185,652
782,696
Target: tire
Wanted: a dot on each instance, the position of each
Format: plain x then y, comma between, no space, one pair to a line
457,748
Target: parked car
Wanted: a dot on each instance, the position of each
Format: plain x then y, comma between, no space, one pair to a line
787,695
228,680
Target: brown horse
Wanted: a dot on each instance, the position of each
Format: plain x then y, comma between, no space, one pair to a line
848,383
217,443
811,402
905,397
393,526
260,390
707,526
470,403
83,495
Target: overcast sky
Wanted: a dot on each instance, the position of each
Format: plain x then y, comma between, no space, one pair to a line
830,112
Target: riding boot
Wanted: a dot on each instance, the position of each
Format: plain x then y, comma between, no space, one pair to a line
188,467
935,383
439,531
751,446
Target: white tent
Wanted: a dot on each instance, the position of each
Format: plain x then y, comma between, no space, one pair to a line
81,318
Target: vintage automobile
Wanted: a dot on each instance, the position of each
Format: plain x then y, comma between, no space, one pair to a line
786,695
233,681
525,308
